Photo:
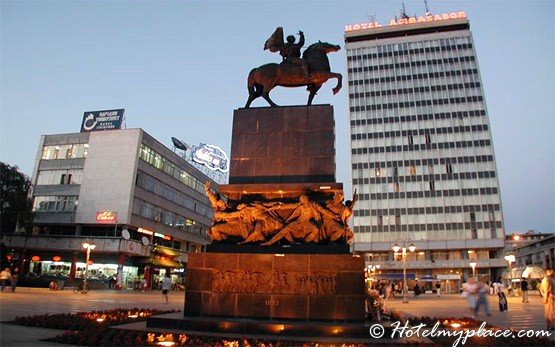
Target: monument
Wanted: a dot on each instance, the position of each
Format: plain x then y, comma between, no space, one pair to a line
280,254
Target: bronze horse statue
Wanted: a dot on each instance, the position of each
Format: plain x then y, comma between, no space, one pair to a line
263,79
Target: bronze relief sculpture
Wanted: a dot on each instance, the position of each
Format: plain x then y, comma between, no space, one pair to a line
311,70
302,220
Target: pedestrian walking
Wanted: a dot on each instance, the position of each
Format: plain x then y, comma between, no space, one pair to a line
524,289
142,284
166,286
416,290
438,288
498,289
547,290
15,276
482,298
5,276
469,292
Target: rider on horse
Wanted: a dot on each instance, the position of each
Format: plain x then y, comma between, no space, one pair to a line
290,51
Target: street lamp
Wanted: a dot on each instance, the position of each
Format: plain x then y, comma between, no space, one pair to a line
403,249
372,269
511,259
473,266
88,247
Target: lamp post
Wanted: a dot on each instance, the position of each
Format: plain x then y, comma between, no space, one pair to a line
511,259
403,249
473,266
88,247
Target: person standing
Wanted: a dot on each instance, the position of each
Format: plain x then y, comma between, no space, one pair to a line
438,288
14,278
166,285
498,289
547,290
5,276
482,292
524,289
469,292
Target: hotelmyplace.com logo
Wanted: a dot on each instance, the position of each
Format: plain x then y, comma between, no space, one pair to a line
461,336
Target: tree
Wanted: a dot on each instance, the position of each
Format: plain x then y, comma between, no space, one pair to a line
15,206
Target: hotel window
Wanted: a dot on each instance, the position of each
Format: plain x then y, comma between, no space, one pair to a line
380,220
64,151
411,141
482,255
395,171
378,172
432,185
428,138
412,170
449,168
55,204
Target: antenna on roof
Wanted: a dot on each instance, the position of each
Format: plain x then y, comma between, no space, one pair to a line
404,13
371,17
427,8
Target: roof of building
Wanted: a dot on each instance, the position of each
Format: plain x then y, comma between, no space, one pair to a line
401,30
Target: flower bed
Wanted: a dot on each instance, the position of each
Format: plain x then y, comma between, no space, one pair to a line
93,329
85,320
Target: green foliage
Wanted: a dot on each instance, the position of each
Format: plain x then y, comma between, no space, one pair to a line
15,206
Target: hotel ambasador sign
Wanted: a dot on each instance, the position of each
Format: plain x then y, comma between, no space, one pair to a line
410,20
102,120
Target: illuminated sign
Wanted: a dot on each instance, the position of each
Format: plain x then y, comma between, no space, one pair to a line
213,157
56,258
106,216
165,237
102,120
145,231
35,258
410,20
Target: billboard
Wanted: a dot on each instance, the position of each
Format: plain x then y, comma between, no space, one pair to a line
213,157
102,120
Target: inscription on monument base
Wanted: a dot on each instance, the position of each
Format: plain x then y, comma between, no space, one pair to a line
292,286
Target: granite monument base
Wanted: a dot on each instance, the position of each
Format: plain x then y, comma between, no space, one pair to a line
297,294
301,287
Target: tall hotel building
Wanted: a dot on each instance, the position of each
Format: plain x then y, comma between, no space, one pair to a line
421,151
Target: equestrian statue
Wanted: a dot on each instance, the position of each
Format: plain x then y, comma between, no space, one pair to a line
312,70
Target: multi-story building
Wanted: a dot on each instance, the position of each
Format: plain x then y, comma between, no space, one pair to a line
142,206
536,251
421,149
516,240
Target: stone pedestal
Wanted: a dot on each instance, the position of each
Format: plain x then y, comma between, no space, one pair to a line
291,144
301,287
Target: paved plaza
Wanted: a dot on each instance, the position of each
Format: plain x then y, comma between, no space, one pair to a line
519,316
32,301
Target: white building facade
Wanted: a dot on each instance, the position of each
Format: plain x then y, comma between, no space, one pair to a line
141,204
422,155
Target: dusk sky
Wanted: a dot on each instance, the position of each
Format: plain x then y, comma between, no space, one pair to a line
179,68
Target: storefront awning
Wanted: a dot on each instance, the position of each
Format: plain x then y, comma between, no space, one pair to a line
166,251
530,272
165,263
158,262
394,276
